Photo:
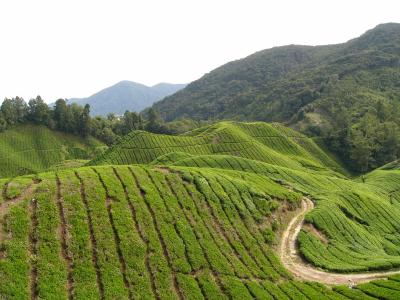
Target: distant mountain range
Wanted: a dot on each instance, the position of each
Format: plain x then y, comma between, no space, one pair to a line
126,95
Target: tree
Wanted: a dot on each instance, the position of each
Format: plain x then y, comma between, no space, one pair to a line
21,109
3,123
74,114
111,117
131,121
388,137
364,144
108,136
38,111
8,112
60,114
14,110
154,122
84,121
361,150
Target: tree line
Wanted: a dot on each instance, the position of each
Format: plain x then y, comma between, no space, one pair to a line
75,119
365,140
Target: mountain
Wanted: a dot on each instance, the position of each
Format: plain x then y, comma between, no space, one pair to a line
275,84
330,91
127,95
228,211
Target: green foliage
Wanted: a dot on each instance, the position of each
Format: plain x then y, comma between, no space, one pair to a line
38,111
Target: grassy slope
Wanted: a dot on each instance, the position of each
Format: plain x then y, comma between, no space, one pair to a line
270,143
30,149
354,217
138,232
197,225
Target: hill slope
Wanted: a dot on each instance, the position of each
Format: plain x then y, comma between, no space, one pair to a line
278,83
126,95
202,223
30,149
165,233
346,93
270,143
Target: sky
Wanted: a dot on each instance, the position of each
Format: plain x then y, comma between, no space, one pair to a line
74,48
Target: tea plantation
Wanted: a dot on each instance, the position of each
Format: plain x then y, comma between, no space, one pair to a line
30,148
198,216
271,143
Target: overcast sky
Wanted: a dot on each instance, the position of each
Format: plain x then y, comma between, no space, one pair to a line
74,48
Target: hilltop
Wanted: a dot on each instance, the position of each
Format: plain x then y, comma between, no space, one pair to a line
271,143
202,217
27,149
330,91
126,95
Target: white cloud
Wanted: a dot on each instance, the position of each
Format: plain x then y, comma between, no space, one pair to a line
74,48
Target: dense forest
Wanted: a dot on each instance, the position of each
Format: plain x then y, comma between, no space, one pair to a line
346,94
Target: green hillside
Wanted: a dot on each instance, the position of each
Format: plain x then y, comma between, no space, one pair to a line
346,93
29,149
270,143
367,212
277,83
199,216
286,156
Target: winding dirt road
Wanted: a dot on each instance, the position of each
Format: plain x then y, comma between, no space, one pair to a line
291,259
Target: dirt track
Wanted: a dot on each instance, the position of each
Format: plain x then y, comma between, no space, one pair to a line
301,270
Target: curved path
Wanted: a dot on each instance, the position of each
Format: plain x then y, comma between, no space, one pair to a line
291,259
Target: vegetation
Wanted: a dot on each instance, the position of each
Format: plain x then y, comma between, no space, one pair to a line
356,217
76,120
270,143
180,248
27,149
346,94
197,216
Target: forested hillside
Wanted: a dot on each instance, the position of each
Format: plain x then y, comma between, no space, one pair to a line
348,94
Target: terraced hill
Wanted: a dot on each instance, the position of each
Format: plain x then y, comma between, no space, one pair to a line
30,149
260,141
201,224
361,209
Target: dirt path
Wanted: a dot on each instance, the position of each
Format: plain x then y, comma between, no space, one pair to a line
290,258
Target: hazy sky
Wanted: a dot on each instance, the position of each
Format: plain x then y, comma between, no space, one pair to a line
75,48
